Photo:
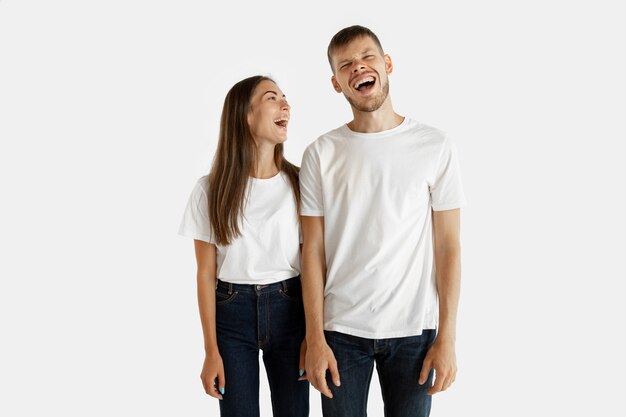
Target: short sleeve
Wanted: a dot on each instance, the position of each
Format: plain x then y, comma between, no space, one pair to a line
311,184
195,223
446,191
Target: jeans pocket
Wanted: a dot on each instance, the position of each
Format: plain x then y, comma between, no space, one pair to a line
292,293
223,296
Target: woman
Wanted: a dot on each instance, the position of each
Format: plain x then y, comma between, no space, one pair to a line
243,218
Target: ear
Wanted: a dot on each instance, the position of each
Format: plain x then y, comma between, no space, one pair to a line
388,64
336,85
250,117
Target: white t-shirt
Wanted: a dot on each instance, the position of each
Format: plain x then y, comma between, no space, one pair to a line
268,249
376,192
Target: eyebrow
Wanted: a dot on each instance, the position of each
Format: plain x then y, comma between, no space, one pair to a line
274,92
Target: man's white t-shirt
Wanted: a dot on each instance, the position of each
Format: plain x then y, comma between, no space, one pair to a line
376,192
268,249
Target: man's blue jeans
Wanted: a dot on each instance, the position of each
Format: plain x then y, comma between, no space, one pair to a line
270,318
398,363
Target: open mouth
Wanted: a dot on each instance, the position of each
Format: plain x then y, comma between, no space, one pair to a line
365,84
282,122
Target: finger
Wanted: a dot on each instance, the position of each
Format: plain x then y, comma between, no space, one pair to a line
450,380
426,367
221,383
325,388
301,364
334,372
437,384
314,381
450,376
319,383
445,384
210,387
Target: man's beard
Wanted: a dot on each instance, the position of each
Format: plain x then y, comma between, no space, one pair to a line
372,106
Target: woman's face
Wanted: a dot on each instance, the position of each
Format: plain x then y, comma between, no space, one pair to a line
269,114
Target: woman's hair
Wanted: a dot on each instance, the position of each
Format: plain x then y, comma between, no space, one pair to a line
235,160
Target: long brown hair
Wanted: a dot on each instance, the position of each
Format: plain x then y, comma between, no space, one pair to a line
234,161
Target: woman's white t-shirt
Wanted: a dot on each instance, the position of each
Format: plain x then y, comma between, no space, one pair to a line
268,249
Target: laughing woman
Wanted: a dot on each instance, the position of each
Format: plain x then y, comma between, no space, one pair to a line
243,218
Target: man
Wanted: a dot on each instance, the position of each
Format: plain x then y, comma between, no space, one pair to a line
381,254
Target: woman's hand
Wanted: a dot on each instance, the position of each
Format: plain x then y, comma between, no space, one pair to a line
213,369
303,376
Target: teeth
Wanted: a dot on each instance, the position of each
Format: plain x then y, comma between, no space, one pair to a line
282,119
364,80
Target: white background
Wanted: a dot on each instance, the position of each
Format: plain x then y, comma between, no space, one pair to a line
109,113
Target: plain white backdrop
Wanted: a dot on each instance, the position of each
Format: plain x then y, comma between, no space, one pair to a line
109,113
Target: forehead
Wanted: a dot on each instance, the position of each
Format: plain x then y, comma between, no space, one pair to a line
356,46
265,86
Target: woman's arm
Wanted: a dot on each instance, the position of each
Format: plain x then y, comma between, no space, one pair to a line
213,367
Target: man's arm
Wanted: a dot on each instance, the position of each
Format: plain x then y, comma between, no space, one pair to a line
319,356
441,356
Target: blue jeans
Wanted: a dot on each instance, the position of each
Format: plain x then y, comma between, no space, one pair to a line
398,363
270,318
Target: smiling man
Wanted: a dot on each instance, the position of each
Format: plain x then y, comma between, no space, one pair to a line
381,255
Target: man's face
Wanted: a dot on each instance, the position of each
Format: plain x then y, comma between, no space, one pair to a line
361,74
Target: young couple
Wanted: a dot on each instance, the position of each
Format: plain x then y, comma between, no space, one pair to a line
377,205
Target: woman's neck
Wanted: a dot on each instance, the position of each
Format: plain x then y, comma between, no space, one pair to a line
265,166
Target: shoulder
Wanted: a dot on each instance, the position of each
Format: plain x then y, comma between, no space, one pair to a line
289,168
429,139
426,132
328,140
202,186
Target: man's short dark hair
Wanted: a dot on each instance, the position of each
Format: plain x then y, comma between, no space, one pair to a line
347,35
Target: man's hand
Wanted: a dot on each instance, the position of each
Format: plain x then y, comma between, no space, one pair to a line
442,357
319,358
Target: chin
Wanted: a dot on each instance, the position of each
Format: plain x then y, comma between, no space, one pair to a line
367,104
279,140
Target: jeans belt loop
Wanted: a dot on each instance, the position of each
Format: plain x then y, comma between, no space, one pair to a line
230,288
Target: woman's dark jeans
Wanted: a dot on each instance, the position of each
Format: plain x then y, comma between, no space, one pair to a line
270,318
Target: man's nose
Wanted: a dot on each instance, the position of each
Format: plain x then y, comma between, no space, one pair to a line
358,66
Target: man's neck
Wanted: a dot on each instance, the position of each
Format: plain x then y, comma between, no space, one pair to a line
379,120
